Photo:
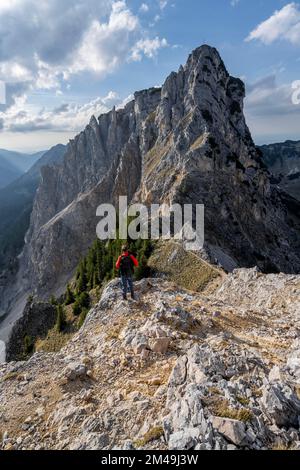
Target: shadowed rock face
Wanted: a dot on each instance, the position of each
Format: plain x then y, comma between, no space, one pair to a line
186,142
283,161
37,319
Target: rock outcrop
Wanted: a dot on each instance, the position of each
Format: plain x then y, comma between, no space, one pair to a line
229,381
37,319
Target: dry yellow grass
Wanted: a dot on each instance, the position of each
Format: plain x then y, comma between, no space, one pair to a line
223,410
115,330
151,435
243,400
53,342
182,267
219,406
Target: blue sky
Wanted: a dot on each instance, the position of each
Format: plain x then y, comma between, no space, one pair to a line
65,60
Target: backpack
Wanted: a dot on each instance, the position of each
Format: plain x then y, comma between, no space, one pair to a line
126,265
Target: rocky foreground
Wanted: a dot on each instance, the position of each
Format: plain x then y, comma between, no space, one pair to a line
172,370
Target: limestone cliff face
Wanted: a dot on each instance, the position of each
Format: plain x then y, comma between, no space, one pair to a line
186,142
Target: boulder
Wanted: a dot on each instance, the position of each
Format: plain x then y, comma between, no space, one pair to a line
281,406
90,441
184,440
159,345
75,371
232,429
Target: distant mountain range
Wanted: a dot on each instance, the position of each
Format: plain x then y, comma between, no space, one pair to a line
14,164
283,161
8,172
16,202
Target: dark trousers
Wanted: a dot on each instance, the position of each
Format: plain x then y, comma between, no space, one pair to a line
127,284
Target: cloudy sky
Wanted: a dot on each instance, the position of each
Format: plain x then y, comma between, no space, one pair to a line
64,60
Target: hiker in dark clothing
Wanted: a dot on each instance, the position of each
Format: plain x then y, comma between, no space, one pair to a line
125,264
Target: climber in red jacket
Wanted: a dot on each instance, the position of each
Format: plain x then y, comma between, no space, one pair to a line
125,264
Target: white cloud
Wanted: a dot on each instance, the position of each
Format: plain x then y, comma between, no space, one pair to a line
22,117
47,48
111,97
14,71
58,48
234,3
163,4
2,97
144,8
296,92
270,109
6,5
283,24
104,46
147,47
266,97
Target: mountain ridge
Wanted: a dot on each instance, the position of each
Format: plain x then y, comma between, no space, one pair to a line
15,164
175,370
185,142
8,172
16,201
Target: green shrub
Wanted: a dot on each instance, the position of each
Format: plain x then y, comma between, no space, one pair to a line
82,317
69,296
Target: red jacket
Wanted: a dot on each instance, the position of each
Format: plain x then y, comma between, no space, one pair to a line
126,253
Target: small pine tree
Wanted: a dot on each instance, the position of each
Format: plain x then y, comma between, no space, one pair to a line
60,318
99,271
96,281
69,297
53,300
82,278
77,307
28,345
142,270
82,317
84,300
